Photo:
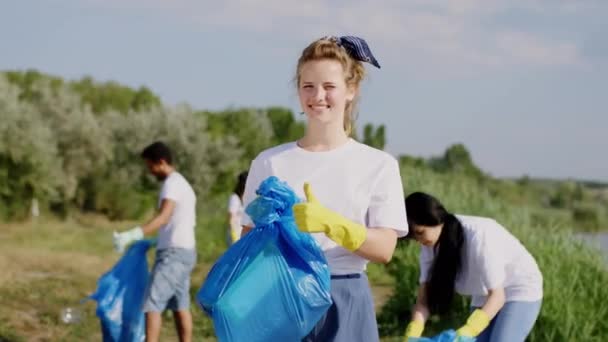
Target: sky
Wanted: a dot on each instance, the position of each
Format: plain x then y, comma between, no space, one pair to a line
519,82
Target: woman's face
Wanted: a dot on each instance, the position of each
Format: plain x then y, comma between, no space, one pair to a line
323,91
427,235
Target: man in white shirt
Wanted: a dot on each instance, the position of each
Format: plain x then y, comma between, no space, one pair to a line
176,254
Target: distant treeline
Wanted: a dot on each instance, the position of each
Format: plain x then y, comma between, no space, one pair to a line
74,145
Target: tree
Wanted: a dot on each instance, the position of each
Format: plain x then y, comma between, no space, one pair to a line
374,136
251,127
456,159
284,126
100,97
30,165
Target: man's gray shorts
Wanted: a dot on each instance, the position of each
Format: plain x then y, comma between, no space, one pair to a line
169,287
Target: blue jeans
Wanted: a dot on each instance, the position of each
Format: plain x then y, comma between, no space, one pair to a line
513,322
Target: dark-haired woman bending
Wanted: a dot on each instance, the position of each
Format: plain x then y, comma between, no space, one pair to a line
478,257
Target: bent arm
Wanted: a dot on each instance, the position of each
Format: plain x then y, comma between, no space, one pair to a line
379,245
420,311
496,300
162,217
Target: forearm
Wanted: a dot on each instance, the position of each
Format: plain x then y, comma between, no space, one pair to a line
154,224
495,302
479,320
420,312
161,218
379,245
234,222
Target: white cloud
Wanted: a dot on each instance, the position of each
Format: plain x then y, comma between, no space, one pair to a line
523,48
448,34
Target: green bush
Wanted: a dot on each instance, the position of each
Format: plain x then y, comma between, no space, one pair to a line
587,216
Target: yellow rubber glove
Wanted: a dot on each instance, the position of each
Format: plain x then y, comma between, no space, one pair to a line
312,217
414,329
476,323
233,235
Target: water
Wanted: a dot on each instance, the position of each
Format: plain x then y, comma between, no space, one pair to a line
599,240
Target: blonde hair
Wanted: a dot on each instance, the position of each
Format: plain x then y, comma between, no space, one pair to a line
354,71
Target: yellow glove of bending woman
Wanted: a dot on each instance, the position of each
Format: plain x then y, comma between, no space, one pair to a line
233,235
414,329
476,323
312,217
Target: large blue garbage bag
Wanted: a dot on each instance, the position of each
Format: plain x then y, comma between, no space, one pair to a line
445,336
274,283
120,294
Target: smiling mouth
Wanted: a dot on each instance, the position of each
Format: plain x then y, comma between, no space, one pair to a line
318,106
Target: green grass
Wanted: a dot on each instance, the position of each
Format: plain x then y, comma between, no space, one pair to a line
575,276
49,265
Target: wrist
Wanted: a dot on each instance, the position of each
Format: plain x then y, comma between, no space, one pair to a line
414,329
136,233
476,323
348,234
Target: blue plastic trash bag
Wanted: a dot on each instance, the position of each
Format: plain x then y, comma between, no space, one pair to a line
445,336
120,295
274,283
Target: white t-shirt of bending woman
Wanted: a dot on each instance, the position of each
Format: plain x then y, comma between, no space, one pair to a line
492,258
235,208
357,181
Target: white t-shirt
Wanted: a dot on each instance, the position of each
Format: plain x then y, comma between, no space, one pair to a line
492,258
235,207
361,183
179,232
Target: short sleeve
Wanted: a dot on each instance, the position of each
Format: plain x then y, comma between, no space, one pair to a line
426,261
257,173
387,205
492,260
170,190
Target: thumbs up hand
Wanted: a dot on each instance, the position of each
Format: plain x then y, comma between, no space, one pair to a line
312,217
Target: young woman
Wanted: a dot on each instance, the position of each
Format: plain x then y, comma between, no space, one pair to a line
353,193
478,257
235,209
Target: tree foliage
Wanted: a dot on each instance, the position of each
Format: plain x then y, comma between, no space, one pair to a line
374,136
76,145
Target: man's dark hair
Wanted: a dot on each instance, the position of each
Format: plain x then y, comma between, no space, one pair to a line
157,151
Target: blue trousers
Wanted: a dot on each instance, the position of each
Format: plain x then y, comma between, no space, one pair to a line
513,322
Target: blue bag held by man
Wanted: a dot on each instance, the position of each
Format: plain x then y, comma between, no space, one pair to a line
120,294
274,283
